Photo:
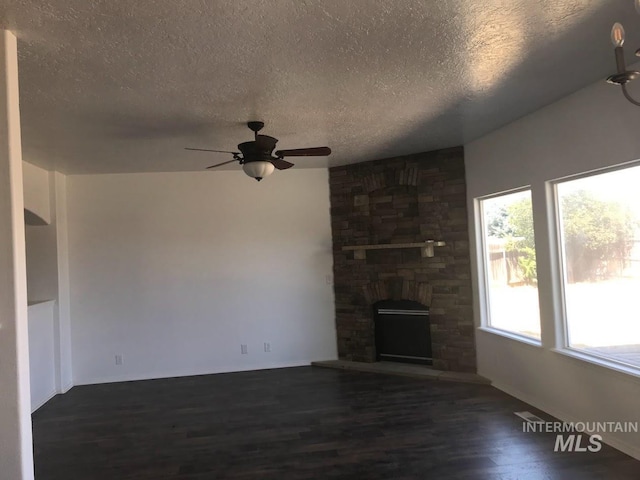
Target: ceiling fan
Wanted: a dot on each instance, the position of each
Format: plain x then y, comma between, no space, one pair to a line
256,156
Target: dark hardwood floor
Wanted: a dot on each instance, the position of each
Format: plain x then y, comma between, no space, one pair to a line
301,423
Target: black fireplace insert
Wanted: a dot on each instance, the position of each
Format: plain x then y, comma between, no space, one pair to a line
402,332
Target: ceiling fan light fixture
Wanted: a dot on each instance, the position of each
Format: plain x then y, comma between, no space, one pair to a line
258,169
256,156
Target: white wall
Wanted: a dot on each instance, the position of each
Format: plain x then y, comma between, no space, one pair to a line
174,271
41,353
591,129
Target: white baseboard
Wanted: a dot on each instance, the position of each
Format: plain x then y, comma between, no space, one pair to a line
608,438
191,373
49,396
66,388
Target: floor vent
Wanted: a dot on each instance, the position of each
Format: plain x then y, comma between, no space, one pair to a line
529,417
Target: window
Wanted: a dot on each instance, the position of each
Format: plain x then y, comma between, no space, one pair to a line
510,264
599,220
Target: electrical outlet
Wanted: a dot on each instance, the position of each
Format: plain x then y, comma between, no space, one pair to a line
267,347
119,359
243,349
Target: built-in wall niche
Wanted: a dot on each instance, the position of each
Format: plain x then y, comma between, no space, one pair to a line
42,262
41,248
36,194
31,218
42,292
40,235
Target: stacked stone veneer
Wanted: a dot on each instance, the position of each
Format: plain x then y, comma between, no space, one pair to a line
403,200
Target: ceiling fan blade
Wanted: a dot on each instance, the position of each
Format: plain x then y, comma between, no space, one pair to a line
304,152
220,164
207,150
281,164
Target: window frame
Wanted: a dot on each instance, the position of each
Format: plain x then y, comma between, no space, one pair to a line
483,269
563,346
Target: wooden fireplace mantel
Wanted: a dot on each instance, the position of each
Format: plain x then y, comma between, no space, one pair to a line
426,248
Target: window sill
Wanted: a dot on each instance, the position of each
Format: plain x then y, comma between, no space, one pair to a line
513,336
627,370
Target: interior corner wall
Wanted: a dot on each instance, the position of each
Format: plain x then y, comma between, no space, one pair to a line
62,315
175,271
591,129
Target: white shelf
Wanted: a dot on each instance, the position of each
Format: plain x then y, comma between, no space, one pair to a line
426,248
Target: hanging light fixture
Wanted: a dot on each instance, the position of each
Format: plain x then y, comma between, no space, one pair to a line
258,169
257,156
623,76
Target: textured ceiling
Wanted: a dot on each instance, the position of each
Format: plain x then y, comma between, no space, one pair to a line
123,86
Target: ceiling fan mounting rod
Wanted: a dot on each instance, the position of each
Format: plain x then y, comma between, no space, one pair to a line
255,127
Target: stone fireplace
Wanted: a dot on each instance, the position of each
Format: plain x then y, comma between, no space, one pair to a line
389,205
